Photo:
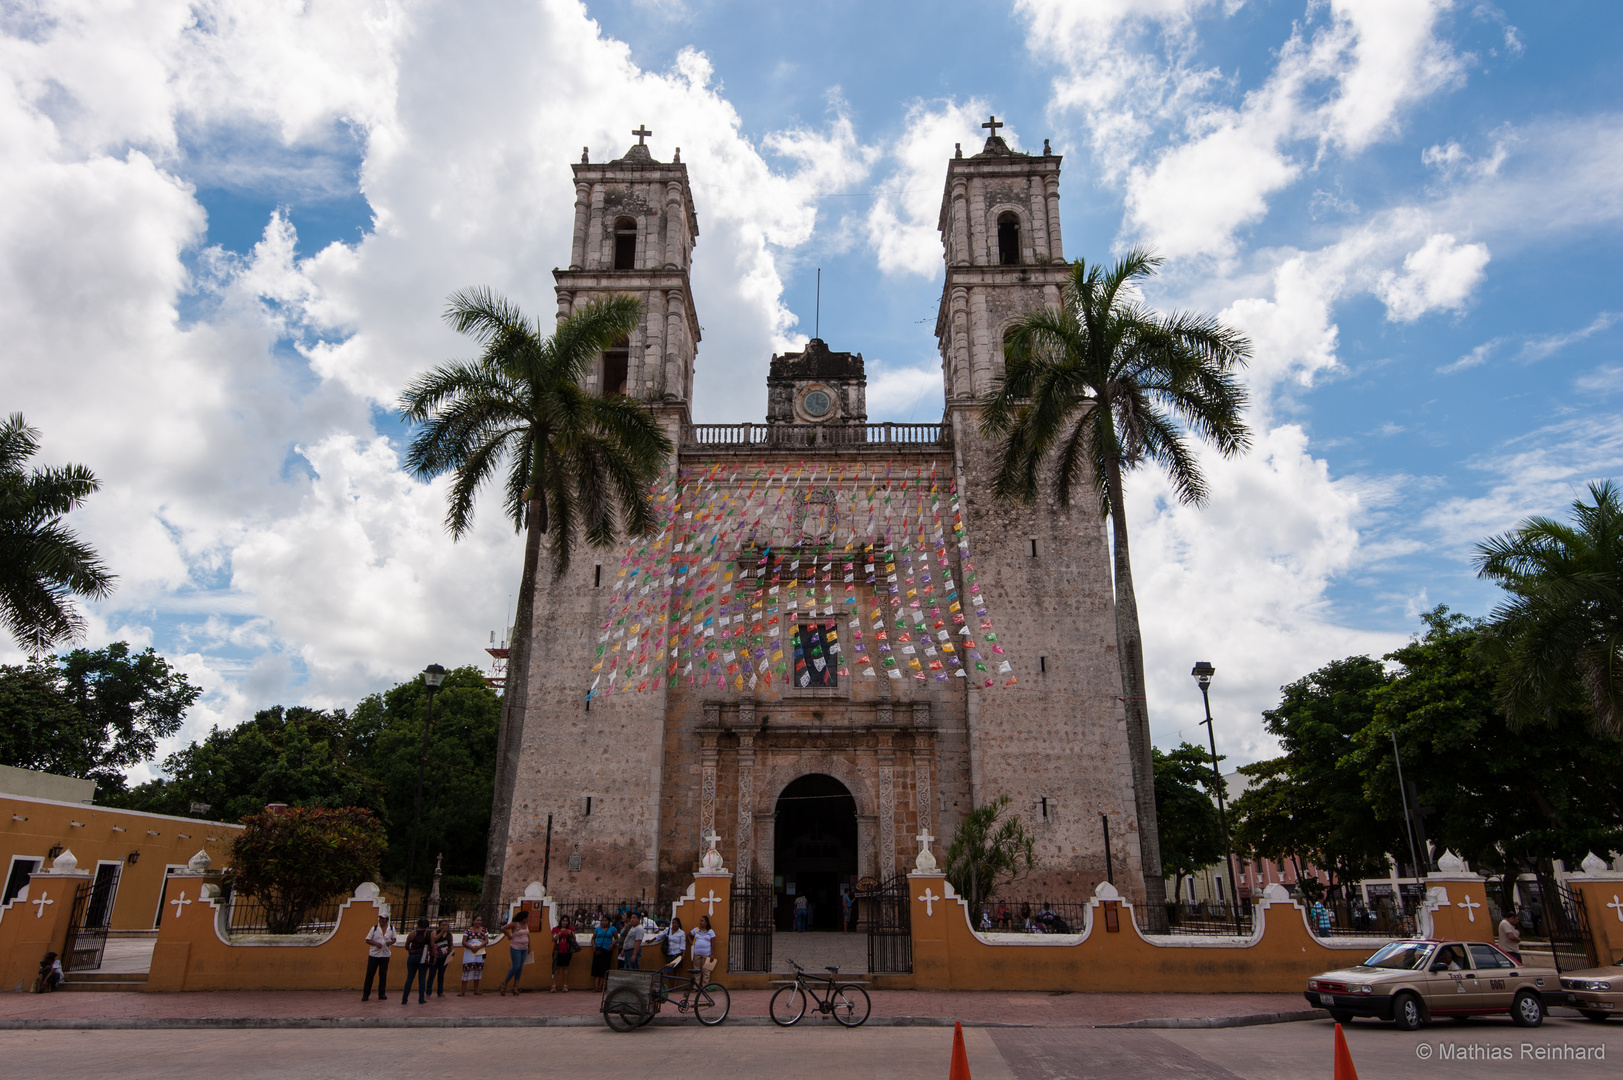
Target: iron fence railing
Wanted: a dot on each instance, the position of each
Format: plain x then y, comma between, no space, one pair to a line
795,436
245,914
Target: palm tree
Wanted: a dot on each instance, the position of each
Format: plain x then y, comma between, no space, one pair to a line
1101,386
575,463
42,562
1561,630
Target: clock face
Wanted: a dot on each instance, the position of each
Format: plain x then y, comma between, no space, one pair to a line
816,403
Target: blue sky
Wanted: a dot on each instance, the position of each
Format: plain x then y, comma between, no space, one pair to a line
233,227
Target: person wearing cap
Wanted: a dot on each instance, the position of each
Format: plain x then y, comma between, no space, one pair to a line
379,947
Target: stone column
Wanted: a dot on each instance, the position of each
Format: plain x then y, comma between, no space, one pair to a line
577,247
960,220
674,342
746,798
1039,219
962,382
980,361
980,253
923,761
1056,249
887,804
708,755
674,225
867,833
594,233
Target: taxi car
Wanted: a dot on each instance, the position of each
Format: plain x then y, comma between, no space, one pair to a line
1595,992
1411,981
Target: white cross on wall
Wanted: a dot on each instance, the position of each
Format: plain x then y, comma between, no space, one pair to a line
1617,906
930,899
39,905
180,905
1470,907
711,900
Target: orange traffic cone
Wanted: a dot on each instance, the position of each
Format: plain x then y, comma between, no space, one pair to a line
960,1058
1344,1065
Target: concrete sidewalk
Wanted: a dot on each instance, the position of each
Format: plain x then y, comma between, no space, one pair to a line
539,1008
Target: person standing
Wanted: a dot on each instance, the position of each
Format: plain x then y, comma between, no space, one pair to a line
676,944
1510,936
379,947
474,940
631,944
602,950
443,941
563,950
518,947
419,959
847,909
704,951
802,910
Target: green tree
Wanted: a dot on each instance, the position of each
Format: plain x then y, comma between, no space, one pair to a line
42,562
296,859
1562,625
1186,808
297,756
1507,800
1310,804
91,713
575,463
987,851
386,739
1100,386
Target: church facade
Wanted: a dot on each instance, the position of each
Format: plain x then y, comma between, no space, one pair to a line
839,640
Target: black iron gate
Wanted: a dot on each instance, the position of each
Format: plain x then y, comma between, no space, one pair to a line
1565,923
750,926
887,909
87,930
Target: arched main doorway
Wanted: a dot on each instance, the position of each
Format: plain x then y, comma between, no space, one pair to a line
815,849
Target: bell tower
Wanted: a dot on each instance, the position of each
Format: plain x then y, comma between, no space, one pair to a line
634,234
1000,236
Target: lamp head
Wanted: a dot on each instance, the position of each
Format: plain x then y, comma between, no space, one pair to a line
1203,672
433,675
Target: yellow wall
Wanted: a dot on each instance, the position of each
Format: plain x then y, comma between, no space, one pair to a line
159,840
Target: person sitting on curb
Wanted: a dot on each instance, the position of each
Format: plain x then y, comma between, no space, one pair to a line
50,974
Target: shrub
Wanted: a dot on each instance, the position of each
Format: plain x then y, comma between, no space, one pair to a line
294,859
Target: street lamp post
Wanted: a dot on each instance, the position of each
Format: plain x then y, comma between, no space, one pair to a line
1203,672
433,675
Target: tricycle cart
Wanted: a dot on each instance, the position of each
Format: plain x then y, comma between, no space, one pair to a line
631,998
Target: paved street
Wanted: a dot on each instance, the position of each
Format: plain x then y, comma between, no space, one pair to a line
1273,1052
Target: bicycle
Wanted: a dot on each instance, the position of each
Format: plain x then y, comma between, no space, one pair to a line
848,1002
631,998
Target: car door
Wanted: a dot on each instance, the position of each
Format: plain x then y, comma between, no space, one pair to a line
1494,986
1450,991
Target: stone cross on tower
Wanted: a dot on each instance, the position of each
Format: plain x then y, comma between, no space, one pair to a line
641,133
991,125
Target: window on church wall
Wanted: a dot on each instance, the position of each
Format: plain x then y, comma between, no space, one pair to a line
1008,239
616,368
625,244
815,666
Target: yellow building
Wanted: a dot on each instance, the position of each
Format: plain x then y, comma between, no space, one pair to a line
129,854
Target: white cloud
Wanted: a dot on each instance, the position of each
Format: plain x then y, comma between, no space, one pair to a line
905,392
226,401
1475,358
902,222
1542,348
1438,275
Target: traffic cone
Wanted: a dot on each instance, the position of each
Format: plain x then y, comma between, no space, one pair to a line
960,1058
1344,1065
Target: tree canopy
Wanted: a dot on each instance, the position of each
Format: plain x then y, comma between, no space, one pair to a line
295,859
988,850
90,713
1185,807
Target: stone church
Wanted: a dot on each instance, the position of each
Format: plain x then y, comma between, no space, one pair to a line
753,670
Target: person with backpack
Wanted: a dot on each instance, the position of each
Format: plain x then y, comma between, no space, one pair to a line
419,959
379,947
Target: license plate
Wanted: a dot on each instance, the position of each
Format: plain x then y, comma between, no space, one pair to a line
1327,999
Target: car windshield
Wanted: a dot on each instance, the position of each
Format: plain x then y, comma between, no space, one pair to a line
1400,956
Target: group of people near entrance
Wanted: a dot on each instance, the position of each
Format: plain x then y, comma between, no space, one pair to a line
429,948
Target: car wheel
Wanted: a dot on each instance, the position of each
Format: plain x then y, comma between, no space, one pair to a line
1341,1016
1527,1010
1596,1015
1407,1014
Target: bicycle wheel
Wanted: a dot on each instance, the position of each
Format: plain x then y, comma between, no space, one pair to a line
712,1004
851,1005
788,1005
623,1010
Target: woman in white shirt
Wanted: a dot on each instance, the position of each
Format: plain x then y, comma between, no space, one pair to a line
676,944
704,957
